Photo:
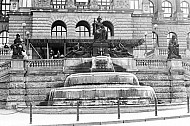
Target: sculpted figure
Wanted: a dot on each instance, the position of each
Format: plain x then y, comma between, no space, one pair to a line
17,48
99,30
173,49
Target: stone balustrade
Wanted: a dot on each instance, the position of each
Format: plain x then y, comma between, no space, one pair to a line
31,80
151,64
5,51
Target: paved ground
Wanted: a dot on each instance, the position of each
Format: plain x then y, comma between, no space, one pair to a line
14,118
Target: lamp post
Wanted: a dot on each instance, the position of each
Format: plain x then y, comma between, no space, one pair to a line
24,27
155,31
27,42
145,35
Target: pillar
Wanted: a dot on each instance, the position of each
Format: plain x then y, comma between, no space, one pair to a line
159,12
178,14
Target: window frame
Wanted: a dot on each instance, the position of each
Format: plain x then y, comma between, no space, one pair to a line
82,29
168,8
5,7
182,7
59,32
134,4
169,36
4,36
58,4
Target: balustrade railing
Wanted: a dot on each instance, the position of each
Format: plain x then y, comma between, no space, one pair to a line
4,51
140,63
45,63
151,63
164,51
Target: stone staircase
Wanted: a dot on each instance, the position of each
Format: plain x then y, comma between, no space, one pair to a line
23,81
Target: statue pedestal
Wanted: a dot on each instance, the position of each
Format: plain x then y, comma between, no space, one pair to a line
175,66
100,48
176,82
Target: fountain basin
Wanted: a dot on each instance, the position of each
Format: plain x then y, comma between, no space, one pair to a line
101,88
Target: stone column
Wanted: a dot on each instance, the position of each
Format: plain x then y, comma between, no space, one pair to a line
178,14
159,12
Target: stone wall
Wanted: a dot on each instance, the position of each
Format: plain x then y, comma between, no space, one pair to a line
33,83
167,89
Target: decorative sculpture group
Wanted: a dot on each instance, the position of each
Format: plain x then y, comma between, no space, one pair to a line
100,46
17,48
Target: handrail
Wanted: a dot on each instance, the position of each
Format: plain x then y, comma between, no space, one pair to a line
154,63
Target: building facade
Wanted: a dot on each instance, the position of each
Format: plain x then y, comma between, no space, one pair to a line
53,24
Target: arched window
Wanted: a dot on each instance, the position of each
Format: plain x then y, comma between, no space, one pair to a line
167,8
104,4
4,37
185,9
109,28
5,7
59,29
169,36
155,39
59,4
151,7
134,4
83,29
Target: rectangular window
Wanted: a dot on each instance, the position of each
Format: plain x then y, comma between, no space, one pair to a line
59,4
5,6
134,4
25,3
104,4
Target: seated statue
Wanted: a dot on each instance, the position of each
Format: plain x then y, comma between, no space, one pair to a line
173,49
17,48
99,30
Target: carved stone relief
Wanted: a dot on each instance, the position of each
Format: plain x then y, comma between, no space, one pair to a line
121,4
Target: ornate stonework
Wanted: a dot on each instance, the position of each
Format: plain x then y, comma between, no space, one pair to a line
70,5
121,4
42,3
94,4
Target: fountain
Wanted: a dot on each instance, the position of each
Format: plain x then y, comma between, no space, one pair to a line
102,86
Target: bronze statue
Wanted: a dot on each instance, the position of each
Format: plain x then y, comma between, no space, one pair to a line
17,48
99,30
173,49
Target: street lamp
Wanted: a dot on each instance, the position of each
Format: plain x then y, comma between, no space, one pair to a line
27,43
155,26
145,35
24,27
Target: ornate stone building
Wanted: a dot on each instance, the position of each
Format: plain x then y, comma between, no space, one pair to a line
50,24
